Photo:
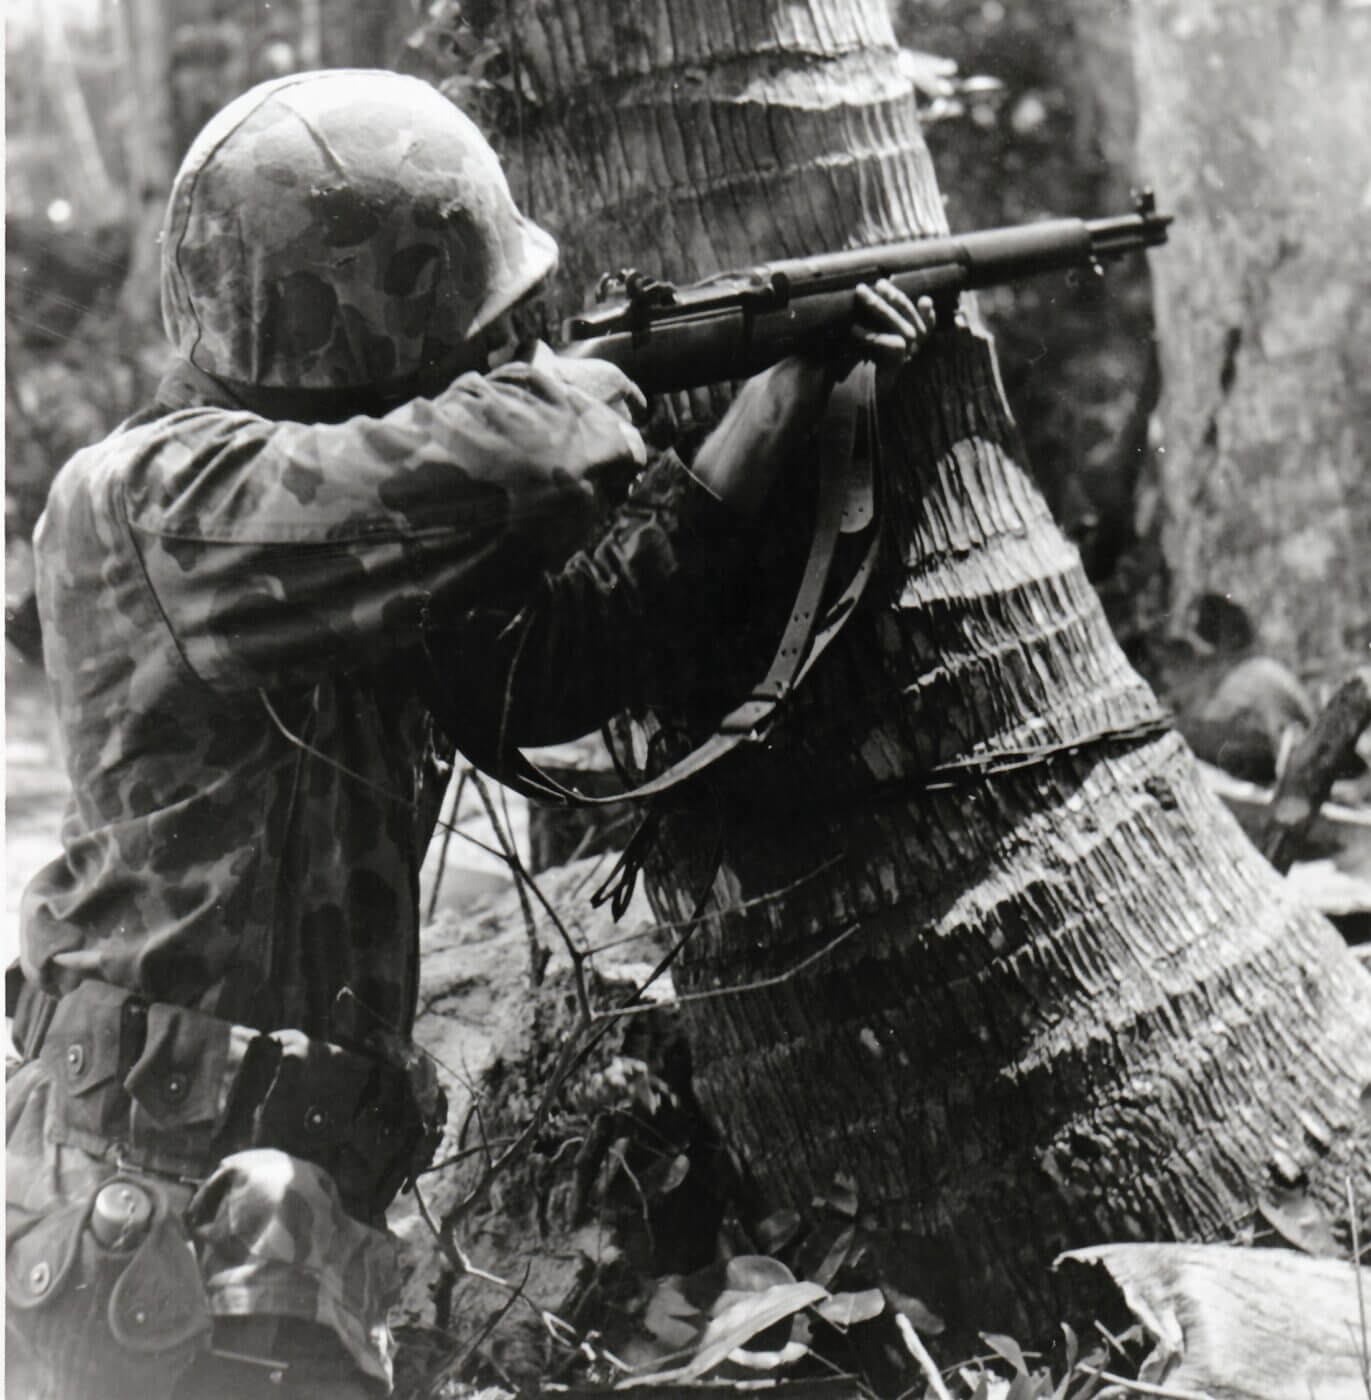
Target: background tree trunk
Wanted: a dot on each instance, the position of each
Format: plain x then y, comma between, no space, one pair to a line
1071,1002
148,136
1254,119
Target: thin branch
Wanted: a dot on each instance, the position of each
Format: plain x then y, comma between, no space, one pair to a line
592,874
1109,1337
537,955
1361,1289
522,877
486,1147
592,1035
1308,777
452,1251
566,1060
495,1319
1164,1392
447,841
718,992
618,1154
756,902
464,1155
330,761
464,1079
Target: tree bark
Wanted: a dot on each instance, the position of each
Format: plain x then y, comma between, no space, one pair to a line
1062,1002
1253,121
95,196
142,36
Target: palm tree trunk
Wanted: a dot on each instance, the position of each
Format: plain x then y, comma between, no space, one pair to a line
1070,1002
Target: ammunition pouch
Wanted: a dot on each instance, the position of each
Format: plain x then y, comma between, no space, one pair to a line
172,1090
87,1319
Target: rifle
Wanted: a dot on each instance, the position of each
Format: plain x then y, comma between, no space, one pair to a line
736,324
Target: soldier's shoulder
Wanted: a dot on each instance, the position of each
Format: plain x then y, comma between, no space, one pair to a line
163,443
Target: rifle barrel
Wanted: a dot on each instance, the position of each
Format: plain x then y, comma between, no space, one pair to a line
734,326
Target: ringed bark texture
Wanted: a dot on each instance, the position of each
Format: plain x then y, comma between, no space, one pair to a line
1060,1003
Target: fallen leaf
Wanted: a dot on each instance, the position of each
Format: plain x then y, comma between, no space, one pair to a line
1302,1222
670,1317
847,1309
925,1320
777,1231
751,1273
1007,1348
768,1360
742,1320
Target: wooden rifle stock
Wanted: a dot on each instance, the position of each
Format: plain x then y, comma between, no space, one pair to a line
737,324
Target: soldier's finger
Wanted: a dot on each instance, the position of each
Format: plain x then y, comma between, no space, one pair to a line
882,346
911,311
890,316
910,322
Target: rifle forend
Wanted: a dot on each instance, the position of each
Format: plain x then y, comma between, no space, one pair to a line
737,324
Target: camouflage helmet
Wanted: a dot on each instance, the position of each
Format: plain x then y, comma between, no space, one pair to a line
341,228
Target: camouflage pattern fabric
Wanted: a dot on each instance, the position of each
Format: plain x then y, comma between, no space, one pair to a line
340,228
269,1231
188,563
240,617
272,1237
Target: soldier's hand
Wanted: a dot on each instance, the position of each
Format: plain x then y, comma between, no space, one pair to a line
890,329
602,381
583,379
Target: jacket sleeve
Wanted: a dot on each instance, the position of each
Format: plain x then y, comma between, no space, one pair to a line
279,551
632,621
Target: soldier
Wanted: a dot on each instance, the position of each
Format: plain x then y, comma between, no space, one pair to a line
220,970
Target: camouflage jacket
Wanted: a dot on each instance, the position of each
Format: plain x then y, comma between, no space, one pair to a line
215,586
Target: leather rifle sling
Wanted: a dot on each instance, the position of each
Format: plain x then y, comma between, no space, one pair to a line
844,506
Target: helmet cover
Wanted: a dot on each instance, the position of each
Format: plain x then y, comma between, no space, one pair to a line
340,228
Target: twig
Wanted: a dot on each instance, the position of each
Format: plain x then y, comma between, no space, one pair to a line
1309,775
537,955
1164,1392
331,762
1111,1338
447,841
474,1112
715,993
453,1252
595,1028
592,874
757,901
618,1154
464,1079
492,1322
522,877
916,1348
1361,1290
459,1157
566,1060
